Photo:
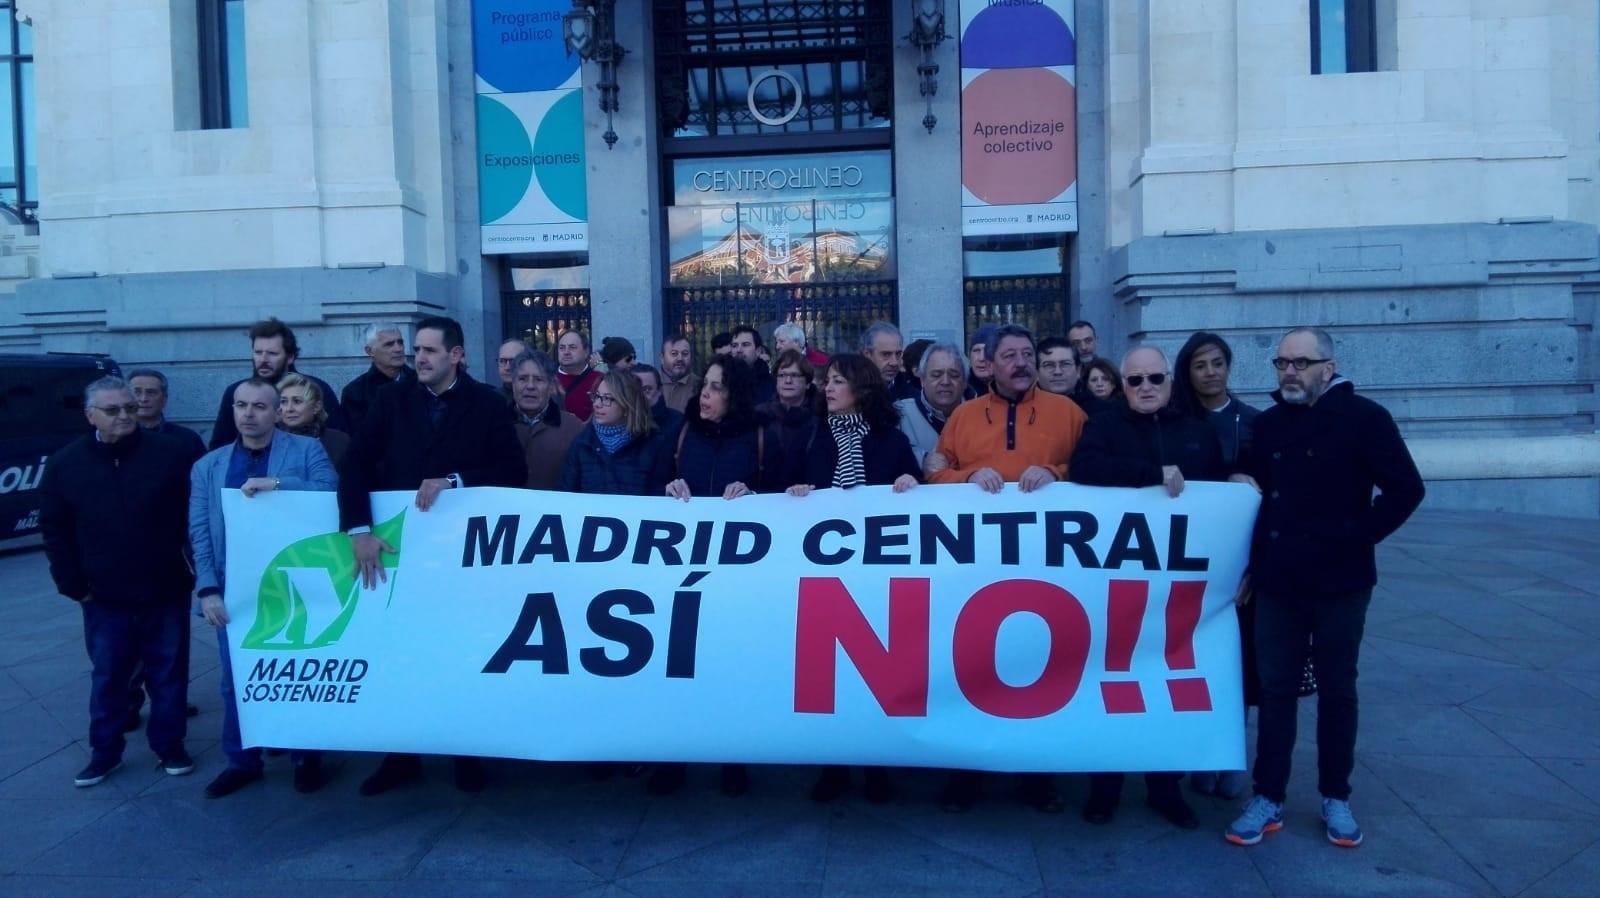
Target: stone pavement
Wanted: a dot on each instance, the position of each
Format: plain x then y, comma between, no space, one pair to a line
1478,774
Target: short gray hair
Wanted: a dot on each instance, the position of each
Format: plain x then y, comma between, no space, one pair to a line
953,349
103,385
992,345
542,359
1166,363
369,335
1324,340
150,372
871,334
790,331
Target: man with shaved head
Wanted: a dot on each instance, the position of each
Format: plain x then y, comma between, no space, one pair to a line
1336,480
1145,442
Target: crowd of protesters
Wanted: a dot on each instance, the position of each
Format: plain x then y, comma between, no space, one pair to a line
134,531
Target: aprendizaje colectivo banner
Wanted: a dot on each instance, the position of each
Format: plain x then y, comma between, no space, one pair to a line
1071,629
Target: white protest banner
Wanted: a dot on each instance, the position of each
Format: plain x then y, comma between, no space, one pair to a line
1071,629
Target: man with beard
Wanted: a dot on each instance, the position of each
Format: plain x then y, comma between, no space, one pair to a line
1318,455
385,345
1016,433
746,344
273,350
440,432
679,383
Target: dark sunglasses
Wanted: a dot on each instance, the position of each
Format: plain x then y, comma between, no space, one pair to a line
1136,380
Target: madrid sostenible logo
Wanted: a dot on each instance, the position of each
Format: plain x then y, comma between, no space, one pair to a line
309,591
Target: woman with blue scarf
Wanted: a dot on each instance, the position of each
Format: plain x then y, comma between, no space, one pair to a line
618,452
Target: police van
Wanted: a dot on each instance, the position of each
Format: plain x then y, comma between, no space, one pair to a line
41,410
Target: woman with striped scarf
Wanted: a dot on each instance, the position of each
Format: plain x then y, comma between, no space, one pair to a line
857,443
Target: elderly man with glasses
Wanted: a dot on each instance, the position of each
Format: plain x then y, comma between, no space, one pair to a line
114,509
1336,480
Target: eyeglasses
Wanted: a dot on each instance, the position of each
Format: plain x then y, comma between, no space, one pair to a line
1300,364
790,375
117,411
602,399
1137,380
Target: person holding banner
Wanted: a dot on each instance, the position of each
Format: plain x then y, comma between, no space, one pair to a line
1319,455
1016,433
1145,442
442,431
262,460
858,443
724,450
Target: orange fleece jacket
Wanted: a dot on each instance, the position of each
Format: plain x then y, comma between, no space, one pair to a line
1046,432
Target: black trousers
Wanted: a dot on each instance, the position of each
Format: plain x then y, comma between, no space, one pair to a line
1334,624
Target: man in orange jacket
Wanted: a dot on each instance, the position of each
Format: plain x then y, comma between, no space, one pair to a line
1015,433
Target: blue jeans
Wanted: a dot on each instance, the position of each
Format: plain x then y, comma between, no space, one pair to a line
118,639
239,757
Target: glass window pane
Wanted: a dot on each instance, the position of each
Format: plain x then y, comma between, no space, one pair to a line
29,153
1331,36
8,153
238,89
24,39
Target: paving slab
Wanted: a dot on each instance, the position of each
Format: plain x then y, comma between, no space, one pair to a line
1478,773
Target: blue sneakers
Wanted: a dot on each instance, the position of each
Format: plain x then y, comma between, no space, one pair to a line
1261,816
1342,827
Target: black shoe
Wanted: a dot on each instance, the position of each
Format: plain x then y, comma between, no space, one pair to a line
960,792
735,780
231,780
1101,806
191,710
395,770
1036,792
833,782
878,789
131,722
470,775
667,779
1176,811
308,775
178,763
96,772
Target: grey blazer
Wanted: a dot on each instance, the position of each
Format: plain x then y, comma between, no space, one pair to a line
299,463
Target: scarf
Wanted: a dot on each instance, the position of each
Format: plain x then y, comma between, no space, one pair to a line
933,416
612,436
847,432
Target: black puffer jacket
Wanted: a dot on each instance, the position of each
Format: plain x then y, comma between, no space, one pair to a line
1317,466
711,455
641,468
115,519
1121,447
885,455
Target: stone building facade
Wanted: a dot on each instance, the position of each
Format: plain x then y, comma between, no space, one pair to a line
1437,212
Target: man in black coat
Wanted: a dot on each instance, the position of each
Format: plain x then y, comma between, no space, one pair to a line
441,431
273,350
385,345
1318,455
114,509
1145,443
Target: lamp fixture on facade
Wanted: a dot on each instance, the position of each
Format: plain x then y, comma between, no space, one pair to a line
590,29
927,33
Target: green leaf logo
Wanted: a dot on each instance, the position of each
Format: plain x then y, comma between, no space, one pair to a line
309,591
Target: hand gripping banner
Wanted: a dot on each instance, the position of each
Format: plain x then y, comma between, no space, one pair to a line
1070,629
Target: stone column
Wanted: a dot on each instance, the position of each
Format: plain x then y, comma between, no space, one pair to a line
624,186
927,187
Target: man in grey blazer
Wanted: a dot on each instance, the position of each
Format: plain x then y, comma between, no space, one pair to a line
260,460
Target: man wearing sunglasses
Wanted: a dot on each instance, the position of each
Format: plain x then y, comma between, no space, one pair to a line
1145,442
114,509
1320,454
